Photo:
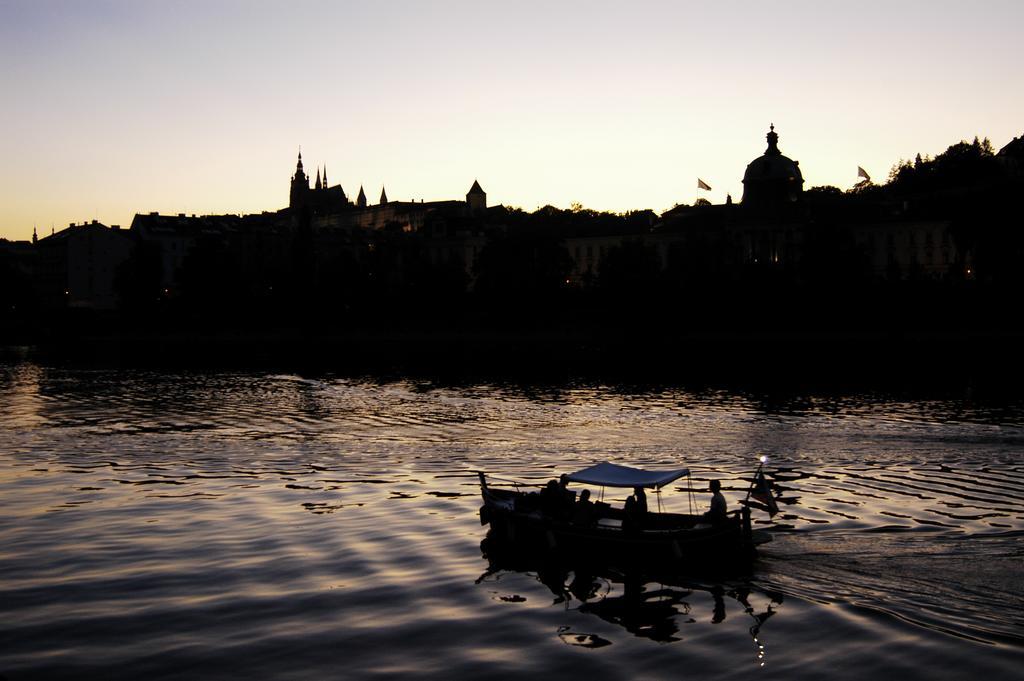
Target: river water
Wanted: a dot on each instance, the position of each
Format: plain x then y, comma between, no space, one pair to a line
170,524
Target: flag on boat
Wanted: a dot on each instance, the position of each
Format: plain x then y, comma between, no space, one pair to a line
863,173
763,492
701,184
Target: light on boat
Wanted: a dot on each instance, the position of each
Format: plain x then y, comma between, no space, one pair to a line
764,459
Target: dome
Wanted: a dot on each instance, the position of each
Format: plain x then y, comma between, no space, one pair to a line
772,178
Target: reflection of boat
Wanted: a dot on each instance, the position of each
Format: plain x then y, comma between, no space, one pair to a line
614,536
645,604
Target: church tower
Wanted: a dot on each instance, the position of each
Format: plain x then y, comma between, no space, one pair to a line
300,186
361,199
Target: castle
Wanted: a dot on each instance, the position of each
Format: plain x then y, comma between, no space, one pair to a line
323,199
778,227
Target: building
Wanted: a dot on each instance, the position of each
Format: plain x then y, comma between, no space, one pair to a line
910,249
778,229
17,260
772,180
321,198
77,267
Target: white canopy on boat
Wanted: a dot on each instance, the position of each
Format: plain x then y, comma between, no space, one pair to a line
611,475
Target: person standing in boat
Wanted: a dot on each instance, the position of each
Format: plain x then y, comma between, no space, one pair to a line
568,496
635,510
551,499
718,510
641,500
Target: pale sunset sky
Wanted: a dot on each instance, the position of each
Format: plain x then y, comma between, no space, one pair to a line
113,107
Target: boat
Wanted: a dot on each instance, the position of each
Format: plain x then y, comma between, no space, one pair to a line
614,536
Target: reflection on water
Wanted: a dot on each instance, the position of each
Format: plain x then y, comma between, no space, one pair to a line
650,606
242,524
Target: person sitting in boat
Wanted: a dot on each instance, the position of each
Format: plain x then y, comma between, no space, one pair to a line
718,510
555,500
584,513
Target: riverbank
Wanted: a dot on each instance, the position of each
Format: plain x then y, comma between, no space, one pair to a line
822,357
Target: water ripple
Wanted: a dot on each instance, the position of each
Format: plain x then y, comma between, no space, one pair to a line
242,523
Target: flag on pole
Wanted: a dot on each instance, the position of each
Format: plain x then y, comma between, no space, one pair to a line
701,184
863,173
763,492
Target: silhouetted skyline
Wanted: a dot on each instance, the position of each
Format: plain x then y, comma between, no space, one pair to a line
116,107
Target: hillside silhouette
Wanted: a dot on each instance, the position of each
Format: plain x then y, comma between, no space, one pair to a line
933,255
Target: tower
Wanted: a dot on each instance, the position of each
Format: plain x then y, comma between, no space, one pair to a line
361,199
772,180
476,198
318,185
300,186
383,196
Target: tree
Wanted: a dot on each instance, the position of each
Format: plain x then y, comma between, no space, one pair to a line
525,263
631,268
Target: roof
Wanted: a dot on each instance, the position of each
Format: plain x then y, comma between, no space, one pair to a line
612,475
76,229
1014,148
773,167
476,188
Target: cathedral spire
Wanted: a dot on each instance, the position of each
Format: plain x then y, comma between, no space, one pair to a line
361,199
318,185
300,185
383,196
325,176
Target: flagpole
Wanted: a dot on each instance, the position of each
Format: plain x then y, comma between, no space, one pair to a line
754,481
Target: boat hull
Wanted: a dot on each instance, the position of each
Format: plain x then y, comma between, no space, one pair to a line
687,543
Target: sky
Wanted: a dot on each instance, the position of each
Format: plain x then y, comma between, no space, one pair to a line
111,108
